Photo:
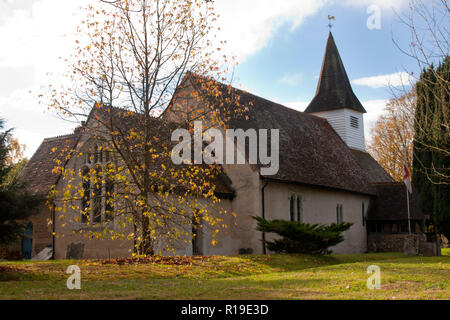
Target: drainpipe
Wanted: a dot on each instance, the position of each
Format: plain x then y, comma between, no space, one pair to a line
263,215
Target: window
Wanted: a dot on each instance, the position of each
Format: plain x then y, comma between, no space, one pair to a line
363,212
354,122
109,195
295,208
299,210
96,154
339,213
97,202
97,195
88,158
292,208
85,201
375,227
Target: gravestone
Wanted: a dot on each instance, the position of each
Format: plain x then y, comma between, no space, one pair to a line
245,251
411,245
45,254
428,249
75,251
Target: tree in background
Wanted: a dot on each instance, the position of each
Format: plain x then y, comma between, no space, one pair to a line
16,204
15,158
431,164
16,153
131,59
429,47
427,23
392,136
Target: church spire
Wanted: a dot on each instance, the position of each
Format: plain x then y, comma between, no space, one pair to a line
334,90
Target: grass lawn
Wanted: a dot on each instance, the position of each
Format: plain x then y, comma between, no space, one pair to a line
239,277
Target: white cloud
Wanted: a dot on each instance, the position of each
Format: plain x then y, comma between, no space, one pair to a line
37,32
31,121
248,25
394,79
291,79
383,4
34,34
296,105
374,110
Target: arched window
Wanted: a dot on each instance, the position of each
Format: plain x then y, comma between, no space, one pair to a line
292,208
299,209
97,195
85,201
109,194
107,155
339,213
100,154
96,154
363,211
97,202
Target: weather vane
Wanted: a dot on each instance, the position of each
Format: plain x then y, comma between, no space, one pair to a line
330,25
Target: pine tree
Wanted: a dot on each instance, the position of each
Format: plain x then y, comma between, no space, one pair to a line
431,162
16,204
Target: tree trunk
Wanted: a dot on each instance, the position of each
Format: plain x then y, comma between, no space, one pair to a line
146,245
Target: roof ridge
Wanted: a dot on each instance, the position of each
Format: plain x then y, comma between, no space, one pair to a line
76,132
60,137
245,92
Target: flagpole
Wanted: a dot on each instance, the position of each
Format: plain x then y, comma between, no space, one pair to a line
409,215
408,187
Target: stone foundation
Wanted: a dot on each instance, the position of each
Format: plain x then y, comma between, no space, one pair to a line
409,244
11,252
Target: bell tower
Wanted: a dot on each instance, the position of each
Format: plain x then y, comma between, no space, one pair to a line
335,100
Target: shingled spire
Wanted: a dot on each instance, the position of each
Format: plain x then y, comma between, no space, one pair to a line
334,90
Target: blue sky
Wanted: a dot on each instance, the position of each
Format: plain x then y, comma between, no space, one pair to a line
287,68
365,53
280,46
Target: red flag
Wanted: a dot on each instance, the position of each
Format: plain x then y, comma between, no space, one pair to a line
407,178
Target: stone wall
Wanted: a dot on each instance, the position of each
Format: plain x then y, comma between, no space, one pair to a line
42,230
409,244
11,251
3,252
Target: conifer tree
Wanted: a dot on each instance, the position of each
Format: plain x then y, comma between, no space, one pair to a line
431,163
16,204
297,237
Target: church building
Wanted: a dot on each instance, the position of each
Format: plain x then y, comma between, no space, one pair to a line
325,176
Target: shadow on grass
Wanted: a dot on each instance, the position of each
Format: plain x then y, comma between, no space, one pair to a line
296,262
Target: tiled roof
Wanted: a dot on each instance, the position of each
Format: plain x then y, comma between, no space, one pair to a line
38,173
311,152
376,172
162,129
391,204
334,90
